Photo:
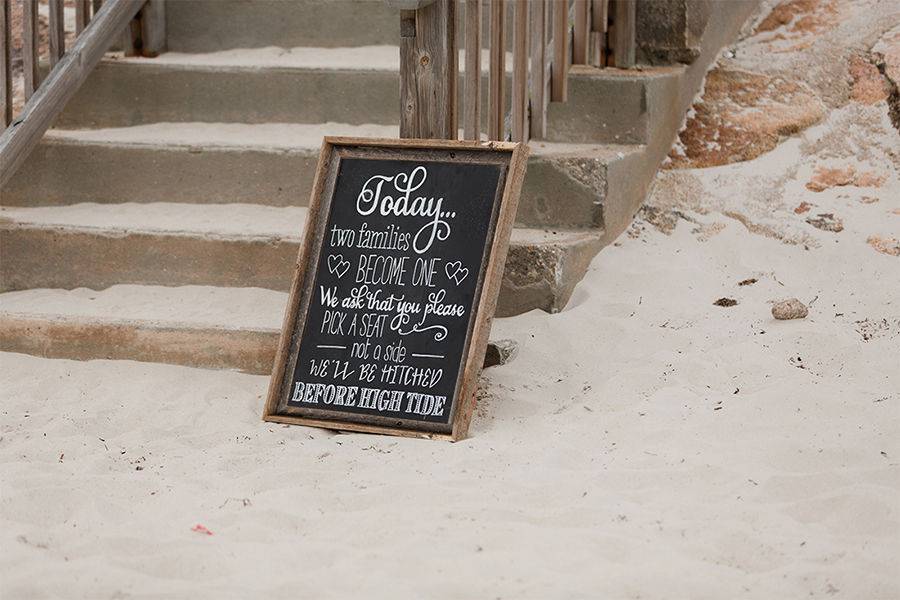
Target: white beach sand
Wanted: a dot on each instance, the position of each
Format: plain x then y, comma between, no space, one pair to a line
644,443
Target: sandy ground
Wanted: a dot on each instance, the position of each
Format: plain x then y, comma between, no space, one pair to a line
645,443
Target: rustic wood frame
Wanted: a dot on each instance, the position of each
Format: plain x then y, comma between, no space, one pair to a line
513,155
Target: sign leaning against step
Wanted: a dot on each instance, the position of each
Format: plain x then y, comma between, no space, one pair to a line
394,290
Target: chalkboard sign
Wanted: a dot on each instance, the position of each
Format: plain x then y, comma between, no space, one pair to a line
396,283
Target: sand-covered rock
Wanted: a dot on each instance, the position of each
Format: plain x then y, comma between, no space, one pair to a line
869,86
828,177
742,115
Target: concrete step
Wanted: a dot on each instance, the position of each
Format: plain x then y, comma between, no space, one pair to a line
343,85
265,85
195,326
209,25
617,106
224,328
566,185
232,245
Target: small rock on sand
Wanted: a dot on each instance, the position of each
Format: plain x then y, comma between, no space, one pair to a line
725,302
500,352
789,309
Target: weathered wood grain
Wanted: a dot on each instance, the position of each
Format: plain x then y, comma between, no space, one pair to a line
131,35
625,18
519,119
428,72
57,32
5,62
497,72
153,28
538,125
597,41
472,99
82,15
30,49
581,9
559,70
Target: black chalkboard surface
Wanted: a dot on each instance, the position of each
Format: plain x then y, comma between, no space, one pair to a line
396,283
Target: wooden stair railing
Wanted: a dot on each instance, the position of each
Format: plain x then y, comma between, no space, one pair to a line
600,33
69,69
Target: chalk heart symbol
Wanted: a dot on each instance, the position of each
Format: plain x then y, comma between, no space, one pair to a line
456,271
337,265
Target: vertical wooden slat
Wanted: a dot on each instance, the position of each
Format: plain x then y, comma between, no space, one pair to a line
519,118
30,50
82,15
131,36
537,127
597,42
57,33
559,70
472,100
428,72
623,50
497,75
153,28
582,32
5,62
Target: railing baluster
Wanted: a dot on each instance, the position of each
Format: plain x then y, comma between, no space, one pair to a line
623,50
153,28
5,62
537,128
519,117
57,32
472,100
82,15
558,73
599,18
130,35
497,76
30,50
582,32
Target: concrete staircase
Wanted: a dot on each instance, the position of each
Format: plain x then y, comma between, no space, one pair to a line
160,219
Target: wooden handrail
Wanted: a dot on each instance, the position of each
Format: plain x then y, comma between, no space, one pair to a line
63,81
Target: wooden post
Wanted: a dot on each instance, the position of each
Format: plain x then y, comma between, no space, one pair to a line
153,28
623,50
519,125
5,62
537,127
428,71
472,101
582,32
497,75
57,32
559,70
30,50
